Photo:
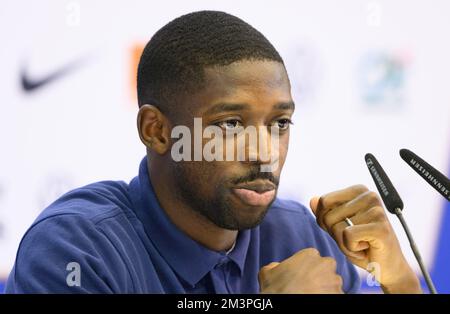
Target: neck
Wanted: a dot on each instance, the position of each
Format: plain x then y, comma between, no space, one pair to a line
192,223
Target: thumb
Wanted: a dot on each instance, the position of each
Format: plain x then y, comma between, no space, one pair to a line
314,203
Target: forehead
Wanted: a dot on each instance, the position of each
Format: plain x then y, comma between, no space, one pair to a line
248,73
257,83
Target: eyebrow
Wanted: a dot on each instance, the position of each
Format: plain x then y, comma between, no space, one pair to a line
285,106
227,107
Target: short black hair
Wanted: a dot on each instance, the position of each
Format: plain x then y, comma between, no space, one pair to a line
174,59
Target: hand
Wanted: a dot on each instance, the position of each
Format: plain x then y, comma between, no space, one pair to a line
370,240
304,272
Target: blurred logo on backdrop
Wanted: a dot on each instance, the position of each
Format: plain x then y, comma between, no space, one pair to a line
52,187
134,57
382,77
305,68
32,83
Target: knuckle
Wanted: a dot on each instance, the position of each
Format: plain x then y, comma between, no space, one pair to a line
335,230
347,239
323,202
347,233
310,251
360,188
264,270
385,227
268,267
378,213
338,281
263,277
328,220
372,198
334,233
329,262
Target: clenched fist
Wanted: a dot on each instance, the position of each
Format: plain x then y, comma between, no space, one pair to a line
304,272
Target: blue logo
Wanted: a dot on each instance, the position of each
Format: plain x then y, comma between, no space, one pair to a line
382,78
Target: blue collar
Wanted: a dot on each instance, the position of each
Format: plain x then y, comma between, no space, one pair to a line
189,259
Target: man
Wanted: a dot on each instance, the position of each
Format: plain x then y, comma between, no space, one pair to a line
209,225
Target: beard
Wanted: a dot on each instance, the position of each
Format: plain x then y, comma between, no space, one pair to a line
216,203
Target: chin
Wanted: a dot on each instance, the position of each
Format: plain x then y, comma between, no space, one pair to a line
249,217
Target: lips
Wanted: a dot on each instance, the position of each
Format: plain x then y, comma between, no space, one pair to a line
255,193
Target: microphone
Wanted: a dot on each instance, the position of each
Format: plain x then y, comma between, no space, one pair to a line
388,193
434,178
394,205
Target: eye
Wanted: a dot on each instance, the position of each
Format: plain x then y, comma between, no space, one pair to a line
228,125
283,124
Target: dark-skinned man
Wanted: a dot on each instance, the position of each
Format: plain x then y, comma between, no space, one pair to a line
209,226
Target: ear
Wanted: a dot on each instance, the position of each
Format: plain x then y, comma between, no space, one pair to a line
154,129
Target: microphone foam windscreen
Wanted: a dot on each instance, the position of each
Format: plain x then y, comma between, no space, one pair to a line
387,191
435,178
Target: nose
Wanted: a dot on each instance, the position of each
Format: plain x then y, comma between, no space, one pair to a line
263,147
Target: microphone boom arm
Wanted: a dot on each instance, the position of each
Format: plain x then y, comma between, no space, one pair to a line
412,243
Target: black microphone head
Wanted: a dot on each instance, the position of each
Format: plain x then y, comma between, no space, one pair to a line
406,154
435,178
388,193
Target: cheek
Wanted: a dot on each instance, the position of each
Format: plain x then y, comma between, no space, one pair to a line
283,150
206,177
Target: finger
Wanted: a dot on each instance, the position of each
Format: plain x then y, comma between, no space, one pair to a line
360,203
360,246
371,233
337,232
334,199
313,203
373,214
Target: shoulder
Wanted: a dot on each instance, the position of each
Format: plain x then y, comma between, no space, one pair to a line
289,213
71,232
291,219
93,202
292,224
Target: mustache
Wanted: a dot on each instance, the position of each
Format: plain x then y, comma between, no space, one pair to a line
256,173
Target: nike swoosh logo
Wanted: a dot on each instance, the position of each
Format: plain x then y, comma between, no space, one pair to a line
32,84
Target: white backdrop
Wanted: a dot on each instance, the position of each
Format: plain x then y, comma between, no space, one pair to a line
368,76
